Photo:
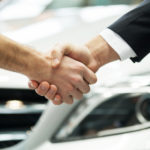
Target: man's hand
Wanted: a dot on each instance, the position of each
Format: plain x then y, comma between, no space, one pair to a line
79,53
72,78
94,54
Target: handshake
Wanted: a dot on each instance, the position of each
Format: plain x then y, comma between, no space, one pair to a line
70,74
70,69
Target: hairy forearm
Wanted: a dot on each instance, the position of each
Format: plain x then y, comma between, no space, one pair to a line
101,51
18,58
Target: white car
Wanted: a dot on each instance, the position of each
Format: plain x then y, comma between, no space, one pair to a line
113,116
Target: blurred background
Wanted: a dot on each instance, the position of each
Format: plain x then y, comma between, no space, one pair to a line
18,13
84,3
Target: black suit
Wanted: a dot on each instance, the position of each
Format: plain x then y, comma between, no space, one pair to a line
134,28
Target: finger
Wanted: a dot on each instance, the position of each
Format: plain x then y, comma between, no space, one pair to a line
77,94
33,84
58,52
68,100
56,56
51,92
89,76
43,88
57,100
83,86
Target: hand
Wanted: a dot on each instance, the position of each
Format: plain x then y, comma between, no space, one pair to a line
47,90
94,54
72,77
79,53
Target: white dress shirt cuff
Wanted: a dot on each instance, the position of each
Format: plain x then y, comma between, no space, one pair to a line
122,48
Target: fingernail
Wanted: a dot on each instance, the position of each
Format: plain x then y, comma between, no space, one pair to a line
55,62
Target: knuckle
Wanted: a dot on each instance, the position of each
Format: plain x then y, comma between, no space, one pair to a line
81,67
94,79
70,88
77,80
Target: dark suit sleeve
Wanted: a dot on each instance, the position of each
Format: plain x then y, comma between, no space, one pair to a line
134,28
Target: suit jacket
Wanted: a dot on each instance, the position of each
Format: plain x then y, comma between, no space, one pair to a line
134,28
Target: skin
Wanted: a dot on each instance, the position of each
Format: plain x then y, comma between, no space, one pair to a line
71,78
94,54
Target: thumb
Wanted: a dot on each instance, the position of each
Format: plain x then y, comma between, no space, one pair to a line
56,55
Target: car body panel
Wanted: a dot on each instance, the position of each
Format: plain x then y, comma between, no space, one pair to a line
118,142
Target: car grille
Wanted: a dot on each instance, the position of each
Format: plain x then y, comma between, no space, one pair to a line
4,144
20,109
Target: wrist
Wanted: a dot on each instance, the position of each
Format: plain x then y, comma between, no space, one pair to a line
39,65
101,51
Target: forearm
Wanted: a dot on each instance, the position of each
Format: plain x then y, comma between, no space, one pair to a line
102,52
18,58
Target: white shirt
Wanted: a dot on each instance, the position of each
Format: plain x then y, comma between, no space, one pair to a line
122,48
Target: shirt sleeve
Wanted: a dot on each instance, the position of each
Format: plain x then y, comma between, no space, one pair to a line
122,48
